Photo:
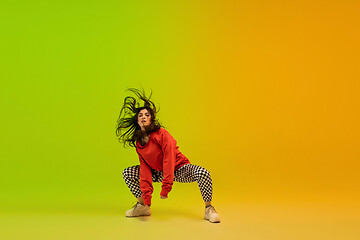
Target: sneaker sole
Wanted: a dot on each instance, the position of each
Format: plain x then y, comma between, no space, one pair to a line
138,216
211,221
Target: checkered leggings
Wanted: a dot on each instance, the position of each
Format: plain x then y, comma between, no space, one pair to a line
185,174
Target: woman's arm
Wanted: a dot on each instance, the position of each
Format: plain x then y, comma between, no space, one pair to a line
145,181
168,145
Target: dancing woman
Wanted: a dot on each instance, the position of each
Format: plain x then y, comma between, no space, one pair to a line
159,156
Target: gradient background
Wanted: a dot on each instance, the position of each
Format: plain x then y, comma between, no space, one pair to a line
264,94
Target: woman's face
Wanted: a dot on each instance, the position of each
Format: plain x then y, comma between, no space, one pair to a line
144,118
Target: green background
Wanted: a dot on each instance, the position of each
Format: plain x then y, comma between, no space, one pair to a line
65,69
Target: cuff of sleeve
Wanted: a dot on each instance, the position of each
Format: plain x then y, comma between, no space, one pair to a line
164,193
147,200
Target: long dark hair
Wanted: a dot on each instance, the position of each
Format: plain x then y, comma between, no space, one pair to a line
128,130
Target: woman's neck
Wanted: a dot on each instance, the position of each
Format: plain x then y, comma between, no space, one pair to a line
144,139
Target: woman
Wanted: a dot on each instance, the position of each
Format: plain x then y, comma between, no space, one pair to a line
159,156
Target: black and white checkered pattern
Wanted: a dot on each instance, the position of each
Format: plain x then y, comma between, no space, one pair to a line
185,174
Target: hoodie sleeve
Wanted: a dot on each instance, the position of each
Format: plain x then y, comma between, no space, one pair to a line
145,181
168,146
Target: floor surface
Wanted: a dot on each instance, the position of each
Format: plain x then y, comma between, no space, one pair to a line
241,221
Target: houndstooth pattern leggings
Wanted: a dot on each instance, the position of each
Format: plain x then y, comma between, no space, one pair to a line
185,174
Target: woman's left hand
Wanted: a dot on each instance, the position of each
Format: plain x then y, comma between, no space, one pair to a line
163,197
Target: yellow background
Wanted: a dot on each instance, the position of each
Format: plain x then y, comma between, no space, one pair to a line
264,94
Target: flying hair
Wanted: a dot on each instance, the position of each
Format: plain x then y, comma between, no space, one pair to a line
128,130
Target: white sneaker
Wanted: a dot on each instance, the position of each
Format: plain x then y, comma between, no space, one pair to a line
211,215
138,210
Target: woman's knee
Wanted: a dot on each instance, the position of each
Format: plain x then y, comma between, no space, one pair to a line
202,173
125,173
207,174
130,172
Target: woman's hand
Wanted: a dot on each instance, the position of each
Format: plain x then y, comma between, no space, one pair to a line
163,197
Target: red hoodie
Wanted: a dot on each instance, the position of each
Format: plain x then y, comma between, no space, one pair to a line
162,154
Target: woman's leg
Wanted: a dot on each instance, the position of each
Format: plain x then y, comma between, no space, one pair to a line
186,174
193,173
132,180
141,200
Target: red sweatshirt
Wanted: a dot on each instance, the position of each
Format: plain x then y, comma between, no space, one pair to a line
162,154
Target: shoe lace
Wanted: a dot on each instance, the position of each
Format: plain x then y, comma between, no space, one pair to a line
212,209
135,204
